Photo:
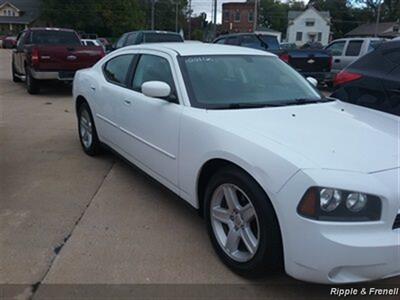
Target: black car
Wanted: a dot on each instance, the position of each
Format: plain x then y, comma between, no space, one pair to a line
316,63
147,36
373,80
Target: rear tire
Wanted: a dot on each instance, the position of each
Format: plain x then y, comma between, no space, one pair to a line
32,85
87,131
14,76
263,254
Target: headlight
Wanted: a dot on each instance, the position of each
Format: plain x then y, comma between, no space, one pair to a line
329,204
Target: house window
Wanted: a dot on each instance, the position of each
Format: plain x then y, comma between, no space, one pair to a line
299,36
319,36
237,16
310,23
226,15
251,16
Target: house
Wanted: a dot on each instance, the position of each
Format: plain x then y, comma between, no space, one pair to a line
237,17
384,30
16,15
310,25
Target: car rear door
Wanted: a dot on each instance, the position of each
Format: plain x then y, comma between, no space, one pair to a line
352,52
110,93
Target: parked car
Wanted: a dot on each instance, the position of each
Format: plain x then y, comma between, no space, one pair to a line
50,54
288,46
9,42
373,80
89,42
147,36
2,37
106,43
345,51
309,62
282,174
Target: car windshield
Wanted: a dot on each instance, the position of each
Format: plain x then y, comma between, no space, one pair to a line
162,38
242,81
55,37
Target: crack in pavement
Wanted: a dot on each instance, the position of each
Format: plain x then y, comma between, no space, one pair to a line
57,249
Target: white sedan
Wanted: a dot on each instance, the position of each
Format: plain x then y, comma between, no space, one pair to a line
283,176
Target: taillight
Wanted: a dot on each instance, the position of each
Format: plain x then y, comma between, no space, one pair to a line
35,58
284,57
345,77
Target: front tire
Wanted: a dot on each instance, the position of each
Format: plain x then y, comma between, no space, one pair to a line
87,131
242,224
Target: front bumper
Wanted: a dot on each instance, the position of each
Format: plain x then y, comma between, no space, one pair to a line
53,75
340,252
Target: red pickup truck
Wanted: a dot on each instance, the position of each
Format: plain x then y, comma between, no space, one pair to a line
43,54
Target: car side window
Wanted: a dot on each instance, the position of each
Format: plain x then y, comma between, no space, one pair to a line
251,41
121,41
153,68
221,41
131,39
116,69
21,39
392,55
336,49
233,40
354,48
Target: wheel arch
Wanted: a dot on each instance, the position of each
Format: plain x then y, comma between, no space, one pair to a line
209,168
79,101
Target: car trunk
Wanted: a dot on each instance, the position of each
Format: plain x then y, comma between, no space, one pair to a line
67,58
309,61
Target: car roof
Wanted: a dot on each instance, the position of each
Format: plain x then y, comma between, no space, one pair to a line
186,49
51,28
153,31
358,38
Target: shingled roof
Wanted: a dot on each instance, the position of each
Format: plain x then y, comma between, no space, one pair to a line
383,30
30,11
293,14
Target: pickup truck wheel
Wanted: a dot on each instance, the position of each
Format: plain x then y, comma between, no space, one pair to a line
242,224
32,85
87,131
14,76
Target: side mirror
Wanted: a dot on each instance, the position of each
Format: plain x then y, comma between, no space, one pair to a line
313,81
156,89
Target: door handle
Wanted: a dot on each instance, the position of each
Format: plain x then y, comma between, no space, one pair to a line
127,102
92,88
337,60
397,91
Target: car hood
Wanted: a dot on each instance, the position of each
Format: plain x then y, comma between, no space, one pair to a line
333,135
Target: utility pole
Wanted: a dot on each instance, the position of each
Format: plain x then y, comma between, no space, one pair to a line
176,15
215,19
378,16
255,17
190,20
153,4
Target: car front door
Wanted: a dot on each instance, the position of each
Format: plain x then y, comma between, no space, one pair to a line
150,126
109,94
19,54
336,49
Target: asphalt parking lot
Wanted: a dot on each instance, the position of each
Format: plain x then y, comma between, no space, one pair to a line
66,218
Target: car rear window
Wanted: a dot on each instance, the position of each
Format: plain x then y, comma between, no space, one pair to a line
162,38
55,37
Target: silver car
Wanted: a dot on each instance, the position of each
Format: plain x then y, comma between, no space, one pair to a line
345,51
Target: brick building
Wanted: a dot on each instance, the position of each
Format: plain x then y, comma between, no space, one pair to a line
237,17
